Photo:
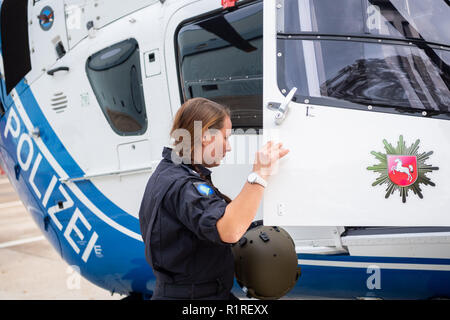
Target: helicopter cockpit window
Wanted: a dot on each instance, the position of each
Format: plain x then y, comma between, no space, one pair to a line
115,77
220,58
382,55
399,19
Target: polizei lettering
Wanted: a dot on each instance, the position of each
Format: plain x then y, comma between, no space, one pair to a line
55,199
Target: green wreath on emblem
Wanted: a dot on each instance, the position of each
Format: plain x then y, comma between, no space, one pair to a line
383,169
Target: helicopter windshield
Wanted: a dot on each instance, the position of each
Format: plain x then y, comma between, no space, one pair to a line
387,54
412,19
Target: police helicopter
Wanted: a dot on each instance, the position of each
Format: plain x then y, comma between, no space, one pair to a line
359,92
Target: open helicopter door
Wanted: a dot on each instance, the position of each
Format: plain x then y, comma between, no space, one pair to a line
366,118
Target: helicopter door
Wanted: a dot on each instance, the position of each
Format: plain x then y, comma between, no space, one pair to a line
48,36
366,119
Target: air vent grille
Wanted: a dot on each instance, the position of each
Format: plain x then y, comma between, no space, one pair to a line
59,102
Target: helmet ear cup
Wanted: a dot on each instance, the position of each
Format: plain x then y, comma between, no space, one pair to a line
266,263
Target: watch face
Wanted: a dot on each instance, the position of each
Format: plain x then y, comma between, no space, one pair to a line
252,177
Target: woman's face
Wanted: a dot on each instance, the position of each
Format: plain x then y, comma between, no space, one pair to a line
215,144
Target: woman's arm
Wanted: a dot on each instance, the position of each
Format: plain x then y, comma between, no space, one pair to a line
240,213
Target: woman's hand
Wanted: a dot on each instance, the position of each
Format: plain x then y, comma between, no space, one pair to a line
240,212
266,159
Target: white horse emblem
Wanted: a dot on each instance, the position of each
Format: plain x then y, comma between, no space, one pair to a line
400,168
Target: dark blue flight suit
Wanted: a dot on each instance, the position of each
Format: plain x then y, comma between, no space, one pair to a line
178,218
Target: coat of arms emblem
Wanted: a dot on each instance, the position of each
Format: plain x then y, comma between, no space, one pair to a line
402,168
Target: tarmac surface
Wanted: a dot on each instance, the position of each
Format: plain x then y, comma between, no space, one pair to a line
30,269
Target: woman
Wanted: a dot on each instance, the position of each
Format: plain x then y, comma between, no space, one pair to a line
187,224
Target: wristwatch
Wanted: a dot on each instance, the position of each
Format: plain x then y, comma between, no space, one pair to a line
255,178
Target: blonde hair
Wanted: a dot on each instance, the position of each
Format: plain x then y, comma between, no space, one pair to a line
210,114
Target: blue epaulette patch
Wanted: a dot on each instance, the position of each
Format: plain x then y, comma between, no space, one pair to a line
203,188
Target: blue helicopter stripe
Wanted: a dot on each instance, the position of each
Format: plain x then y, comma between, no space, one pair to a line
61,154
115,251
399,260
69,165
351,282
116,254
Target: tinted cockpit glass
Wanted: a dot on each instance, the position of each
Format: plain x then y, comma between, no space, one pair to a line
220,58
412,19
392,55
115,77
367,73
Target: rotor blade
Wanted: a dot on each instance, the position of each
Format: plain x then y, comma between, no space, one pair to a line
224,30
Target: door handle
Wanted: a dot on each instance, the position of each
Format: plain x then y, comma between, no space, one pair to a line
52,71
283,107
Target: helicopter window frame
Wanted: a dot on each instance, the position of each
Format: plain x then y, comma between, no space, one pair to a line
437,53
209,86
106,69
